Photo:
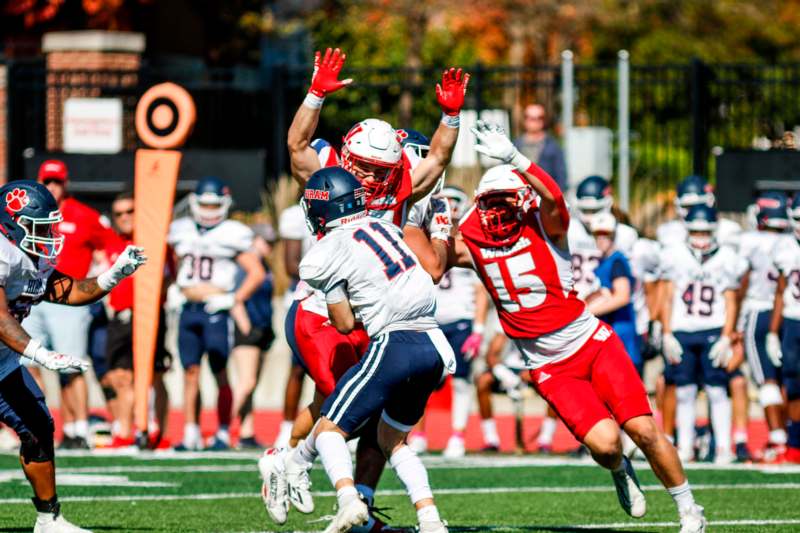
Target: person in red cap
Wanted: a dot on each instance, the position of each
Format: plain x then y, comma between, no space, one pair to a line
66,329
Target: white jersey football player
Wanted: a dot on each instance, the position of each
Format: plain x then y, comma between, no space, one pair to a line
757,249
592,196
699,314
368,274
783,340
209,250
694,190
29,246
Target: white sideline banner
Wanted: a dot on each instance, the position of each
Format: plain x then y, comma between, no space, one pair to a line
92,125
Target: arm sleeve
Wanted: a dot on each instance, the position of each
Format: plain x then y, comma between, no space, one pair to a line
321,267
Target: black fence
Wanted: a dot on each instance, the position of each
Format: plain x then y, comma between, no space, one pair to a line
680,115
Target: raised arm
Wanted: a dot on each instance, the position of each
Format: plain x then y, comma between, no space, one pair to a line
450,95
324,81
494,143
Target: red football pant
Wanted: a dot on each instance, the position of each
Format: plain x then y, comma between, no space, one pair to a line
326,353
599,381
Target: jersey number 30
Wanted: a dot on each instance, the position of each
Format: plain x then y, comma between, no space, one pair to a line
527,288
393,268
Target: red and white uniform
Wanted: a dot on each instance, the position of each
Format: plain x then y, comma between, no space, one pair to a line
84,231
579,364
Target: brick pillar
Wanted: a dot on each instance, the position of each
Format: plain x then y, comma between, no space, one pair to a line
90,64
3,125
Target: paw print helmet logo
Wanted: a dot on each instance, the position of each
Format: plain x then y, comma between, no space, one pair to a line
29,217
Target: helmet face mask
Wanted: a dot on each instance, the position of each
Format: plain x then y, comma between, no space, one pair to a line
372,152
500,214
210,202
592,197
41,238
29,216
701,227
456,199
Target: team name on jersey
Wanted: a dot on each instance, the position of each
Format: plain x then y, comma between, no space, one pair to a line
316,194
493,253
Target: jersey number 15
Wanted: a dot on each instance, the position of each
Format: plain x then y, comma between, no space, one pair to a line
526,288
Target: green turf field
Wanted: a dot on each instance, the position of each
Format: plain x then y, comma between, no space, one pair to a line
221,493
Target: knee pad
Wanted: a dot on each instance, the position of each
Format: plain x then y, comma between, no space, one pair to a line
109,393
769,394
716,394
32,450
792,388
686,393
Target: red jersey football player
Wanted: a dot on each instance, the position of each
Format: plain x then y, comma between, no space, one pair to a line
517,243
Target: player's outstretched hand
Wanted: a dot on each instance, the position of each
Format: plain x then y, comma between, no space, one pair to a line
438,221
672,348
493,142
721,352
472,346
53,360
325,79
219,302
774,351
450,93
131,258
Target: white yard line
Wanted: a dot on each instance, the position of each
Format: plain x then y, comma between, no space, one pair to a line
399,492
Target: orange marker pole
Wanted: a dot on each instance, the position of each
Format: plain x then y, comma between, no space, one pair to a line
165,116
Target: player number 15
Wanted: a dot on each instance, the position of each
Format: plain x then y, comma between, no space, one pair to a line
526,289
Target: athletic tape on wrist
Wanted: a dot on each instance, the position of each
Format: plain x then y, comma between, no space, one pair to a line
313,101
451,121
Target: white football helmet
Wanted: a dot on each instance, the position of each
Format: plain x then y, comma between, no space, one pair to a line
500,218
372,152
603,222
210,202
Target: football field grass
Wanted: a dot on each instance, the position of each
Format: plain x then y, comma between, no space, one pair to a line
220,493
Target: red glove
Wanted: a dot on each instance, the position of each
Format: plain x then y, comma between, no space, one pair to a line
325,79
450,93
472,346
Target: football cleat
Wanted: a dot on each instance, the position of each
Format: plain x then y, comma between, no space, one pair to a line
435,526
491,448
772,453
630,495
455,448
299,487
724,458
743,454
273,490
693,521
55,523
352,513
545,449
217,445
248,443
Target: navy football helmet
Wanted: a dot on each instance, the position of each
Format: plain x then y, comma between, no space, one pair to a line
332,197
794,214
28,218
693,190
772,210
210,202
593,196
701,224
415,141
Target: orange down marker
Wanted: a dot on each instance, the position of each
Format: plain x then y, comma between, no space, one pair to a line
165,116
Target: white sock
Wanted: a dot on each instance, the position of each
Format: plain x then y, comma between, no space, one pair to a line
740,436
115,427
412,473
81,428
461,403
682,496
284,434
335,456
685,417
429,513
720,417
69,429
345,494
628,446
547,431
191,434
489,429
777,436
223,434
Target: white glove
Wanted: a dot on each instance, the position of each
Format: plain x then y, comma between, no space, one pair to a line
774,351
671,348
494,143
721,353
53,360
510,382
219,302
131,258
437,219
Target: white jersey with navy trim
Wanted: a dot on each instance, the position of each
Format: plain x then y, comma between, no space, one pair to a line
586,256
698,301
787,261
455,295
387,288
25,283
756,249
674,232
644,261
208,256
292,227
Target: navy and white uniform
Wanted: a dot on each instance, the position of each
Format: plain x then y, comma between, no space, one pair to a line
367,263
756,249
586,256
644,261
207,256
698,309
787,261
455,310
22,405
674,232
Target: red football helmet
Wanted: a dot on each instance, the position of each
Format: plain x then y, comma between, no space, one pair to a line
501,199
372,152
